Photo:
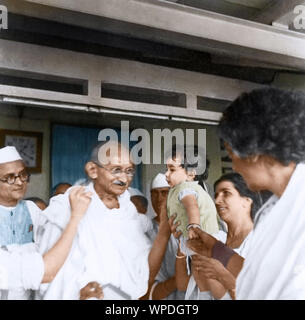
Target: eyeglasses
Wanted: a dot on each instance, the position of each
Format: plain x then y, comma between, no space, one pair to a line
116,172
11,178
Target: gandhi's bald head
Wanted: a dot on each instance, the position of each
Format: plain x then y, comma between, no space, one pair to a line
110,167
105,151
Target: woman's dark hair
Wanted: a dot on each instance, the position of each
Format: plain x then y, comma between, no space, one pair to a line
192,157
240,185
266,121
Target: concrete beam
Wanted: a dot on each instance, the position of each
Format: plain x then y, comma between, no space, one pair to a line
229,8
16,57
207,30
64,63
279,10
47,99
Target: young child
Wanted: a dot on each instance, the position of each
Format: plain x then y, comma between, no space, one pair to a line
187,198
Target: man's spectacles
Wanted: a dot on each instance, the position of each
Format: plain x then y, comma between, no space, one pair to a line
116,172
11,178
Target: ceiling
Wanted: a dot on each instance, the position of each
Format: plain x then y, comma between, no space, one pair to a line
101,32
263,11
236,8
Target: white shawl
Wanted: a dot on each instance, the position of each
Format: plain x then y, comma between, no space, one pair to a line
110,247
274,266
24,293
193,292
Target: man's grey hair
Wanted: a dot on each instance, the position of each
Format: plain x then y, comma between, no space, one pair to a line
97,154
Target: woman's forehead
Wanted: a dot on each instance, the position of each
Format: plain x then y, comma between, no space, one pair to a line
225,185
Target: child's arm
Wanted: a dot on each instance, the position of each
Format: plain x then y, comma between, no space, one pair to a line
55,257
192,210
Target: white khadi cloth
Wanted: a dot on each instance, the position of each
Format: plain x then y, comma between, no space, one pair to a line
274,267
23,263
110,248
193,292
135,192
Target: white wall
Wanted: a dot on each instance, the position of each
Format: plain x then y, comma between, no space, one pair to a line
39,184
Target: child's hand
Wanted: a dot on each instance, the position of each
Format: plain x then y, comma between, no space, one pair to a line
192,234
91,290
203,244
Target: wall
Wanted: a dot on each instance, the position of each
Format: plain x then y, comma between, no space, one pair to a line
213,152
290,81
39,184
36,119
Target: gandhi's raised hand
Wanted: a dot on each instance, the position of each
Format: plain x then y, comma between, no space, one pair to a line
79,201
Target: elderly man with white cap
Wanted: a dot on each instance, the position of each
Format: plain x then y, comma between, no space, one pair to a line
22,268
138,199
165,284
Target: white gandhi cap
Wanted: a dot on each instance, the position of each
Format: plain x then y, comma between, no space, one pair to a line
135,192
159,182
9,154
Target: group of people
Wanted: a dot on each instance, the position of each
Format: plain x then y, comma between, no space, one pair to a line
59,188
105,240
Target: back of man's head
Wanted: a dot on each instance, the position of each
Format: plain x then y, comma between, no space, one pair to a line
61,188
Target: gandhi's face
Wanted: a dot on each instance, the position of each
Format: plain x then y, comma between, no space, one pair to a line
115,177
11,194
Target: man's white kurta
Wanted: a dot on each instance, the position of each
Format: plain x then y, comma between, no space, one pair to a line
110,247
274,266
21,266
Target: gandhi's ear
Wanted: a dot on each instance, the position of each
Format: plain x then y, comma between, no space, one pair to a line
91,170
